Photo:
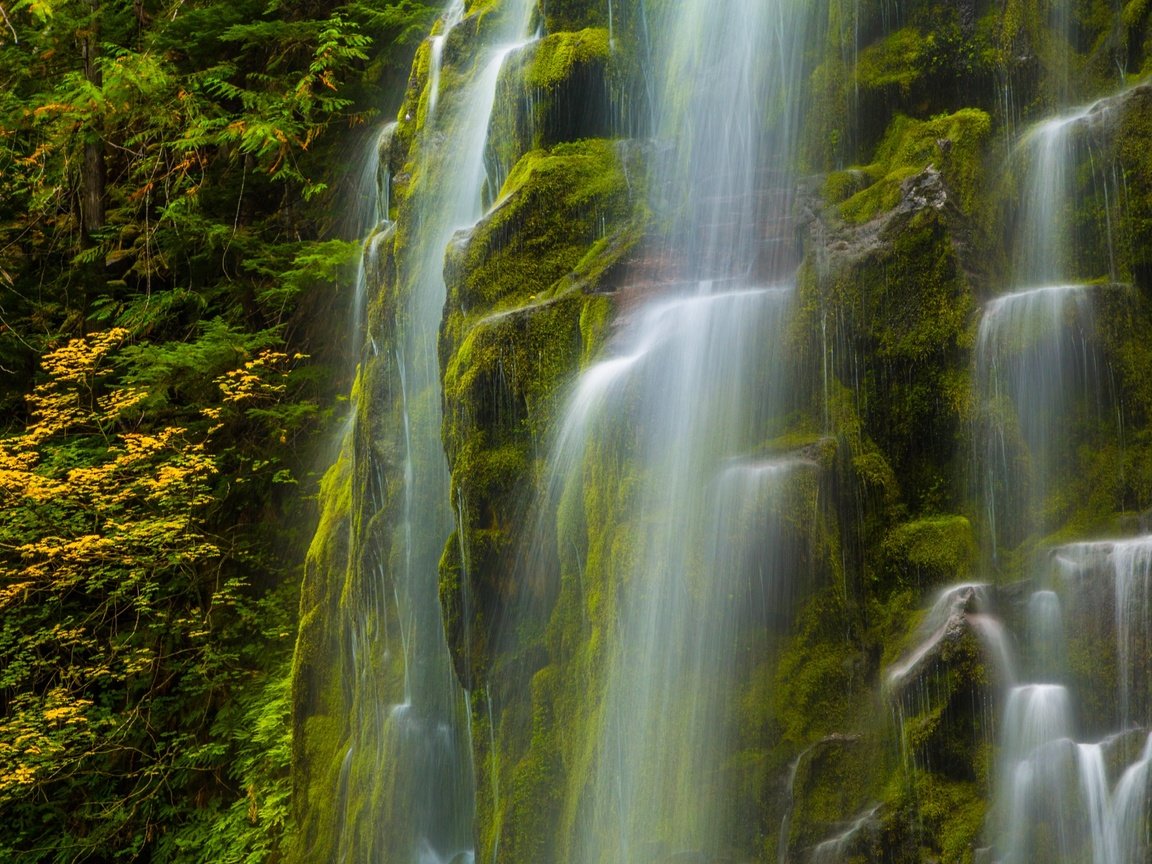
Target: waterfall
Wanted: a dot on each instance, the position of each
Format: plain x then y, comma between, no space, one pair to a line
408,780
663,436
709,552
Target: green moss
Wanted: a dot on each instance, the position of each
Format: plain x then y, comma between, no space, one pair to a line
557,56
905,303
830,123
551,210
594,322
1134,220
820,673
899,60
841,185
560,15
934,551
954,143
929,818
836,780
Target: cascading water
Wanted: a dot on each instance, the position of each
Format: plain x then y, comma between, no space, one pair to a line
691,389
1111,582
1033,361
664,734
1059,800
1039,385
408,779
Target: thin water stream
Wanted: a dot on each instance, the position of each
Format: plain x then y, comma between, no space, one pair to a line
410,744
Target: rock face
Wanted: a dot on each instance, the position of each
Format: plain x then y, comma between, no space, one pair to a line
863,732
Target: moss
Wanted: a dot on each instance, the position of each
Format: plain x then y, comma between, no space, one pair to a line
836,780
929,818
1134,220
522,315
953,142
559,89
572,15
536,780
319,737
594,322
900,59
557,56
942,721
842,185
830,127
905,304
551,211
819,674
934,551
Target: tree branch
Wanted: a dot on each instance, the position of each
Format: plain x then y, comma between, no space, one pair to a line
8,21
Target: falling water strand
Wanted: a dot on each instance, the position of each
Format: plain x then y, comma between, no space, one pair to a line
415,802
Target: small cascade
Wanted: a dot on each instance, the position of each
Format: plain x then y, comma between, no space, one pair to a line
1051,247
1111,583
786,819
1034,365
1048,152
1060,798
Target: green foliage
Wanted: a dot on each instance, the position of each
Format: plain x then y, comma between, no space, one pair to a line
127,620
167,190
253,826
157,162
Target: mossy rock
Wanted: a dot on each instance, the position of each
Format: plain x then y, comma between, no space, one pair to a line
931,552
926,817
557,90
953,142
898,292
560,15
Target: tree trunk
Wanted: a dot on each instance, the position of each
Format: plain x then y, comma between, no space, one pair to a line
92,170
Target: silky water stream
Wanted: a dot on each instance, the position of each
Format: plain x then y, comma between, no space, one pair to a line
687,392
408,783
1071,772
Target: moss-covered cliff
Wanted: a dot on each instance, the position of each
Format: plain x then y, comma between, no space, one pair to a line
865,726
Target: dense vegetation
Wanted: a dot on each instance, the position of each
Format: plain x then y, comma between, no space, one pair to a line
173,212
